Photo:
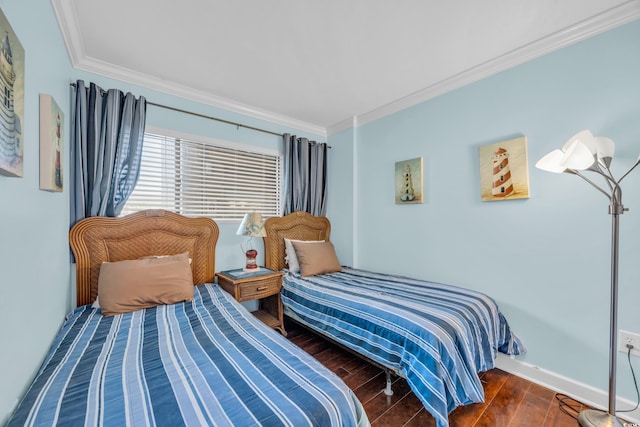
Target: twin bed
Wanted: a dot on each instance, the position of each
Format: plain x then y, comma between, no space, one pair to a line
208,361
438,337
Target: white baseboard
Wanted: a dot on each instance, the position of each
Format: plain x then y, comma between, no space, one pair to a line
586,394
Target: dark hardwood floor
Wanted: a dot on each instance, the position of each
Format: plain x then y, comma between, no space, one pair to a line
510,401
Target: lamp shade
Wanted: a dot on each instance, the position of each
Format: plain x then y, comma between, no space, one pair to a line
579,153
551,162
605,150
586,138
252,226
577,156
600,147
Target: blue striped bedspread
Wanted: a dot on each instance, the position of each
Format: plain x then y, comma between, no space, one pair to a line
438,337
208,362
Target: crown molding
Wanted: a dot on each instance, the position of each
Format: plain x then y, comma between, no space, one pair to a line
181,91
351,122
607,20
68,22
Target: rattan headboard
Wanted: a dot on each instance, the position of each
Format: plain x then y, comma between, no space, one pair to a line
297,226
153,232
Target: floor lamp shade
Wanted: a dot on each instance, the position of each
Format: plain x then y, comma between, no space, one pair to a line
583,153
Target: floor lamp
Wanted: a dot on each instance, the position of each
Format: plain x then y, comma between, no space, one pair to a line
587,153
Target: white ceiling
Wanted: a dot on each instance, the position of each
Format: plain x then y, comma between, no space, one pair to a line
321,65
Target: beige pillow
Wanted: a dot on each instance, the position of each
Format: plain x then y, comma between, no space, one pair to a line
96,303
132,285
291,258
316,258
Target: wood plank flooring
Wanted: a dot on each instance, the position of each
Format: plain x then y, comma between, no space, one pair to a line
510,401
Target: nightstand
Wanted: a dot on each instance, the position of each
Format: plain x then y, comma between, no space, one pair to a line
263,286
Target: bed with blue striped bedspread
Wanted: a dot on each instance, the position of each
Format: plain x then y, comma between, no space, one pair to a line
204,362
438,337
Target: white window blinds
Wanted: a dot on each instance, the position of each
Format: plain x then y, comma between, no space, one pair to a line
203,179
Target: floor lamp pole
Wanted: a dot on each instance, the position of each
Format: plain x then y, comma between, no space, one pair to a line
585,152
592,417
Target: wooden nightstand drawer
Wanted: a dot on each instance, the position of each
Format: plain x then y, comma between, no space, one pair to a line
263,286
258,289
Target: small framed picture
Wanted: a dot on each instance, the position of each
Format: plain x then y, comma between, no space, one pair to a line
504,170
51,140
409,181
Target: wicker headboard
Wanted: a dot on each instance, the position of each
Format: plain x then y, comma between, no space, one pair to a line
297,226
153,232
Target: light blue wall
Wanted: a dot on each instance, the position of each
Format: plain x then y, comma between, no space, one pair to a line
546,259
342,202
34,255
36,290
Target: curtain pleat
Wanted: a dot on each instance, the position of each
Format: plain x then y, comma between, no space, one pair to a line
128,152
318,178
106,148
305,176
301,178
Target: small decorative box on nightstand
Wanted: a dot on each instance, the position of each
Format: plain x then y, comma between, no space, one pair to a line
263,286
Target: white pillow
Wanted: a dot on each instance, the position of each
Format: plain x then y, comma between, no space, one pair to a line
291,258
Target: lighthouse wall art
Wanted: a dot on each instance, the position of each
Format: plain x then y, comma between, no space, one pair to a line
409,182
12,101
504,170
51,144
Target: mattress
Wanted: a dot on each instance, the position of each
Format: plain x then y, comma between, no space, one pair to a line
437,336
204,362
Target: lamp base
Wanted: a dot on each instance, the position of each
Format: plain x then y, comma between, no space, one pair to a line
251,270
594,418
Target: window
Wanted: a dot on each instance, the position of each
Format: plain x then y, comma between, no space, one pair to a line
7,97
206,178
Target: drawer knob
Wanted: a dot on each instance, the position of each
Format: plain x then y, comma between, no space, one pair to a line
261,288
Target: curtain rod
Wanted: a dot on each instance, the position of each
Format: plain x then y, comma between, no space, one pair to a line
229,122
214,118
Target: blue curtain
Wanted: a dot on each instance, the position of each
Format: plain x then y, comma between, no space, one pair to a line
305,176
106,147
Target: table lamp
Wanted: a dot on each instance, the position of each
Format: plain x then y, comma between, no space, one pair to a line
584,152
251,226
